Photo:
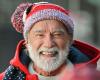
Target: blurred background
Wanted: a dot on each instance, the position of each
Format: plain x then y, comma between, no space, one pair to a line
86,15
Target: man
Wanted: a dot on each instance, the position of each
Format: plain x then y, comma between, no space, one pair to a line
48,51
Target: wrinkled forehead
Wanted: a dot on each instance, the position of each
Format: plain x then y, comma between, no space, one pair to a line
52,25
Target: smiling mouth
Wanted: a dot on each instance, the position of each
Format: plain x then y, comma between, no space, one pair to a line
48,54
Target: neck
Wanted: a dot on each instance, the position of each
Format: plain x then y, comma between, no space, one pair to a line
52,73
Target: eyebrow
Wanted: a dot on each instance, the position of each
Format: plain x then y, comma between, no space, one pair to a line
59,30
38,30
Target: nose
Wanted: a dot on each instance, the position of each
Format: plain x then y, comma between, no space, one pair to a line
49,41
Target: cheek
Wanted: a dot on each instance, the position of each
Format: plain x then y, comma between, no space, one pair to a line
36,44
62,44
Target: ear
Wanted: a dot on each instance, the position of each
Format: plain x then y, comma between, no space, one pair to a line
25,43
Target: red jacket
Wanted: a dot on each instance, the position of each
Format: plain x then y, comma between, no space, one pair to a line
80,48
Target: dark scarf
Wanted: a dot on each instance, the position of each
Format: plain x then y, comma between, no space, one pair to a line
14,73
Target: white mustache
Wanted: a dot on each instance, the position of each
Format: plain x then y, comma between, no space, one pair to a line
50,50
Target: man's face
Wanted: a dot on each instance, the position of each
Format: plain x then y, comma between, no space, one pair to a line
48,44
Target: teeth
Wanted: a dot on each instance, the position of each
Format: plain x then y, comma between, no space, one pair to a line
48,53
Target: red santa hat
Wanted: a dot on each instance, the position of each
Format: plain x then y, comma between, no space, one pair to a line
23,21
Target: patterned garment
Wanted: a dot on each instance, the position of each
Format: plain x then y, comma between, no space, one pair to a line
13,73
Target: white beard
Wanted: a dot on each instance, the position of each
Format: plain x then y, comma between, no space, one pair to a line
51,63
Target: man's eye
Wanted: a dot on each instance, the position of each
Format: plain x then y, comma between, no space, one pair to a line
39,35
58,35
